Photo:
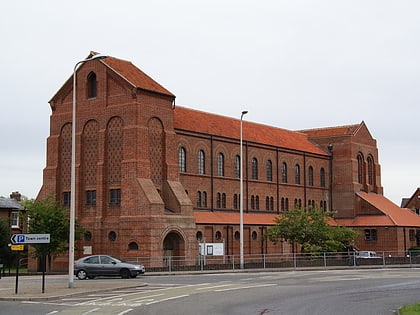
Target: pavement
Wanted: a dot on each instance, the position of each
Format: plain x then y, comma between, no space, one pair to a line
32,288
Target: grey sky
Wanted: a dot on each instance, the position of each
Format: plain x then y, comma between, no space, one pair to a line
291,64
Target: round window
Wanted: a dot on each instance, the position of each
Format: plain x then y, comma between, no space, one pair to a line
112,236
199,236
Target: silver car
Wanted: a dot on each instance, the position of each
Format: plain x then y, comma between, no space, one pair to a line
104,265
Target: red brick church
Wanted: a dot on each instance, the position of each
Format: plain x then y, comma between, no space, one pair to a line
154,179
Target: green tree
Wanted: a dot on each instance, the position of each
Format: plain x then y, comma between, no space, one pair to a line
46,216
314,231
5,252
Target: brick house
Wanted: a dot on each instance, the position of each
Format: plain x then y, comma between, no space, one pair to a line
11,211
154,179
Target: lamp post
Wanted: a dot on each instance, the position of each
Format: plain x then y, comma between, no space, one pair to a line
73,172
241,203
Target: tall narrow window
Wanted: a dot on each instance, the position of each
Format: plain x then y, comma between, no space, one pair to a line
322,177
257,202
90,198
92,88
204,199
269,168
220,164
182,160
271,203
267,203
297,174
235,201
370,170
360,169
218,200
201,162
14,219
198,201
252,202
223,200
311,176
282,205
254,168
237,166
284,172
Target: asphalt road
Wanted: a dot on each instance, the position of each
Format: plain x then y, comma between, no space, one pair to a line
345,292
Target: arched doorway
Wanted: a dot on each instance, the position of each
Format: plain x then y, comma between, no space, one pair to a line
173,248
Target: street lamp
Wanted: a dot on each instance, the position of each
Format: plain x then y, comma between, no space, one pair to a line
73,172
241,203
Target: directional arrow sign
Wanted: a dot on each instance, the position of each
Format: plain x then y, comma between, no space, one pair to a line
30,238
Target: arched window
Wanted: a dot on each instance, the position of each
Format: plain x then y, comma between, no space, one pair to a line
322,177
269,167
92,85
220,164
204,199
254,168
311,176
282,206
371,174
271,203
133,246
201,162
297,174
287,204
257,202
360,169
223,200
237,166
218,200
252,202
284,172
267,203
182,160
198,202
235,201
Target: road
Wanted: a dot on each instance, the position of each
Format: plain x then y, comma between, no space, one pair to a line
344,292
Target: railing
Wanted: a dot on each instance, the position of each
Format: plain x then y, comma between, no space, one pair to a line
269,261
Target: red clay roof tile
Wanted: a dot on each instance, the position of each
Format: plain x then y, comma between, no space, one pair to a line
134,75
212,124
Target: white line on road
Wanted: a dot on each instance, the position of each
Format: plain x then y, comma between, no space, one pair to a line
247,287
125,312
91,311
168,299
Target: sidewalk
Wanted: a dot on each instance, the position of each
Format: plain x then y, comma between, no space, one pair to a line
30,287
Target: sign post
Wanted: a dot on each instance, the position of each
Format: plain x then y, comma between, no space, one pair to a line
19,239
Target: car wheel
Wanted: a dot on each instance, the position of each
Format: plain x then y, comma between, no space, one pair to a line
125,273
82,275
134,276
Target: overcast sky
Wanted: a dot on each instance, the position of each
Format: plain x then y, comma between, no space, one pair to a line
291,64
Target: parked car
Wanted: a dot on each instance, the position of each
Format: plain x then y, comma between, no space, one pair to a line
104,265
367,254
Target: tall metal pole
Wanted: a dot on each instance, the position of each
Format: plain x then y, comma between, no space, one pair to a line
73,173
241,203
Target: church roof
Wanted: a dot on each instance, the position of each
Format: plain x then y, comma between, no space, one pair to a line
391,214
212,124
333,131
134,75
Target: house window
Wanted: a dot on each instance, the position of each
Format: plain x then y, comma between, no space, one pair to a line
90,197
254,168
66,198
14,219
370,235
115,197
201,162
269,168
182,160
220,164
297,174
92,85
284,173
311,176
237,166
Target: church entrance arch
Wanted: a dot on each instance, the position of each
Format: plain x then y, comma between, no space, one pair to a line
173,249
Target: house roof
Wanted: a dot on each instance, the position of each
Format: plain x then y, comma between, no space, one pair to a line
222,217
392,215
212,124
9,203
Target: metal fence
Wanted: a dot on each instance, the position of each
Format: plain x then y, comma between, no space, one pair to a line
277,261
